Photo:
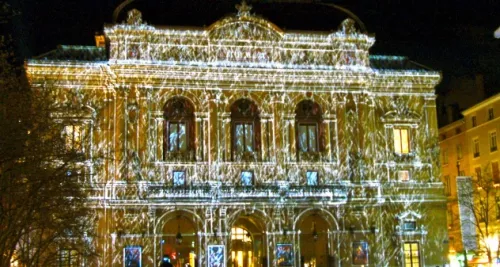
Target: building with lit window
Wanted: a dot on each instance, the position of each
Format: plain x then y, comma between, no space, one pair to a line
241,144
469,147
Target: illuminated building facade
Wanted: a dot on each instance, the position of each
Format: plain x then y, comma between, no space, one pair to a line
246,145
469,147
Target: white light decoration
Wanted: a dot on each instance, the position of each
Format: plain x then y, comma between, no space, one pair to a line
354,194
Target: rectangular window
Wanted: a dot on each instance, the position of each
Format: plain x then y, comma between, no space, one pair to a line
445,156
491,115
409,226
403,176
495,172
68,258
447,186
476,147
493,141
401,140
179,178
412,254
177,138
243,136
474,121
246,178
73,135
308,137
312,178
459,151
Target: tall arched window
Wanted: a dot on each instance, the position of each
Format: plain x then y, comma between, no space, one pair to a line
178,138
245,130
308,128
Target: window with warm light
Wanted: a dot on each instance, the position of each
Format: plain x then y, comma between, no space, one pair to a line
68,258
404,176
73,135
401,140
412,254
242,247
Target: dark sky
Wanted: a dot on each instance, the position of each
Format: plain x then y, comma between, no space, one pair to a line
455,37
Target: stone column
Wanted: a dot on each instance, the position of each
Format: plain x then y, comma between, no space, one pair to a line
201,132
431,128
225,145
290,137
265,136
341,127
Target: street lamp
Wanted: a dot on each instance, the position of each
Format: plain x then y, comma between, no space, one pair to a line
178,236
314,232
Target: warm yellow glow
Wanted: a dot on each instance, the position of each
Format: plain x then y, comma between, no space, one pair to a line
192,258
401,141
73,137
240,234
239,258
249,253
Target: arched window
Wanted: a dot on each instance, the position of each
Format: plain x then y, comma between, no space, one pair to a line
245,129
308,128
178,130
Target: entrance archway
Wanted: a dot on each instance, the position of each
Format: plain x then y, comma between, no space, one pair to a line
179,242
247,242
314,240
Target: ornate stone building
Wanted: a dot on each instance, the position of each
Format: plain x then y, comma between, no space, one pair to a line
247,145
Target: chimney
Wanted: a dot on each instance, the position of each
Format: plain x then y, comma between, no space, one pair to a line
100,41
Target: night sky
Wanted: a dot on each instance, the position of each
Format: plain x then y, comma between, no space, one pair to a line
455,37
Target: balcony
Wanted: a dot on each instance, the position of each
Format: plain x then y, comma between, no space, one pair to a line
179,156
219,192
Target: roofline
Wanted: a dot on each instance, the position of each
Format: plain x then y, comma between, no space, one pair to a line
482,104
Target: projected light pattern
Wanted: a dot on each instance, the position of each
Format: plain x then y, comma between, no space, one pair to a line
151,195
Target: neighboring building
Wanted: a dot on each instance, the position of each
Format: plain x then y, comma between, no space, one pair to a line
469,147
465,92
241,144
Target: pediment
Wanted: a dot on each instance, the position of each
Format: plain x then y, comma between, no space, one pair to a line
244,29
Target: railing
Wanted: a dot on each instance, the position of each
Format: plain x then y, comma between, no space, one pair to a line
214,191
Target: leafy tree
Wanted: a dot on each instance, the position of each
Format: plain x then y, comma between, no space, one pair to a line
478,197
42,202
